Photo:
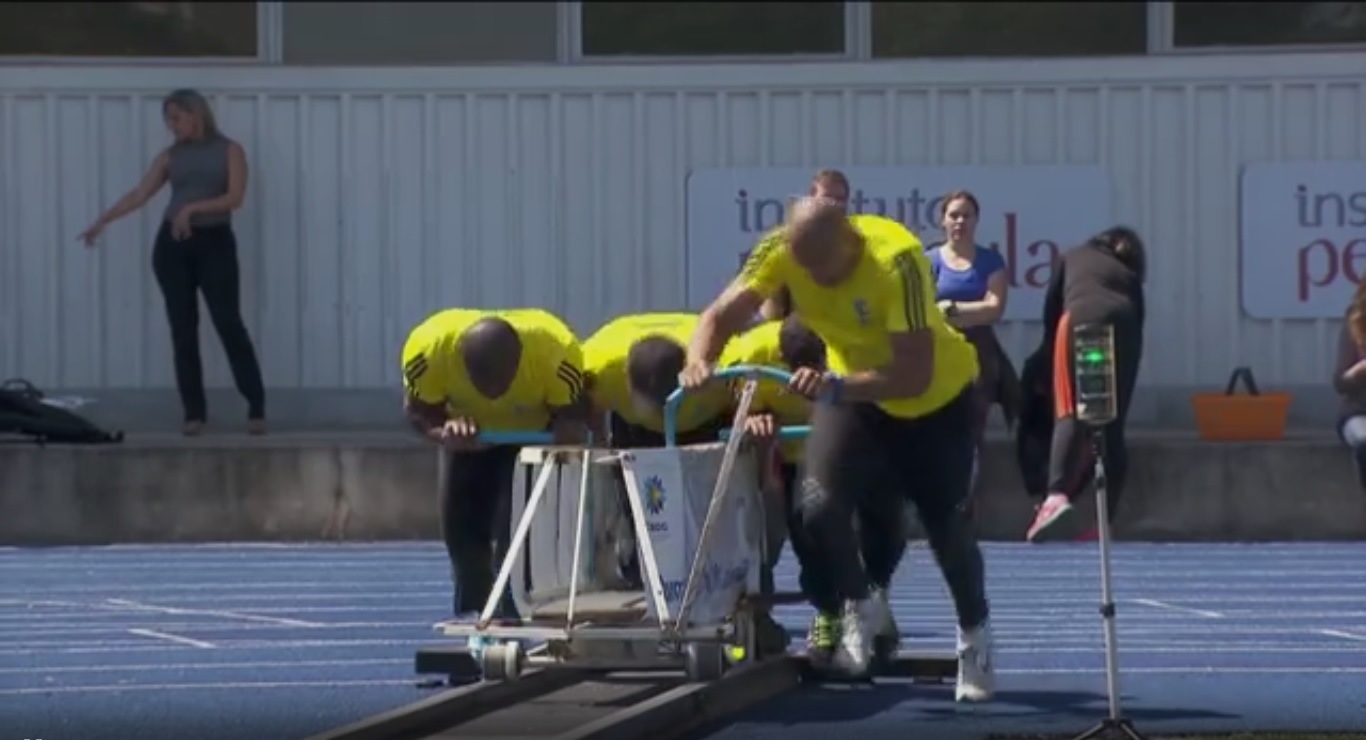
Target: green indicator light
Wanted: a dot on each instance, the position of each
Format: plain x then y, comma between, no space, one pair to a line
1094,357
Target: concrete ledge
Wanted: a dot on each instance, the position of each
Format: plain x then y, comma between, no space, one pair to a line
230,488
1183,489
299,487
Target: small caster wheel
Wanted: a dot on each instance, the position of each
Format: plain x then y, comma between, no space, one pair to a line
503,662
704,661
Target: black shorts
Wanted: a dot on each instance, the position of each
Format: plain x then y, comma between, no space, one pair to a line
870,458
626,435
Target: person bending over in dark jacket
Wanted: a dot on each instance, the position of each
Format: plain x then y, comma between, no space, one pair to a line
1100,282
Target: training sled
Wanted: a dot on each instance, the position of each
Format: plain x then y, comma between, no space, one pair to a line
695,518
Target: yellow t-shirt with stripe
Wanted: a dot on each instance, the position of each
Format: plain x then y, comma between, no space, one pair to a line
605,354
550,374
760,346
890,291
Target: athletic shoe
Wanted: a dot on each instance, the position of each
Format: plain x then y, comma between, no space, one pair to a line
771,638
822,639
1053,511
886,636
474,643
976,674
855,649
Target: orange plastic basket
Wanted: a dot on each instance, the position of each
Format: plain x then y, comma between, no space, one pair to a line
1229,417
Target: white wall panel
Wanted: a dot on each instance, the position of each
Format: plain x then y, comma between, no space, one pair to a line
378,196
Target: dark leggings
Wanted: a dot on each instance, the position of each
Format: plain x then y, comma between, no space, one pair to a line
476,513
862,462
1071,459
206,262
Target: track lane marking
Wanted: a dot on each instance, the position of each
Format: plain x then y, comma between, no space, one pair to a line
168,637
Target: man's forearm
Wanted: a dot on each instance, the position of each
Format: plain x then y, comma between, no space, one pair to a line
708,339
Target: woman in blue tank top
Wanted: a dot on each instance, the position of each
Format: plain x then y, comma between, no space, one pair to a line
971,285
196,251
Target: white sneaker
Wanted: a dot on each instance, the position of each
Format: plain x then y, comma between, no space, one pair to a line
855,647
976,673
886,636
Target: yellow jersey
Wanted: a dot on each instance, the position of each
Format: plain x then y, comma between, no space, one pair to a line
760,346
549,376
890,291
605,355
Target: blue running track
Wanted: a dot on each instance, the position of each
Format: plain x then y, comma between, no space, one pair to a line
265,642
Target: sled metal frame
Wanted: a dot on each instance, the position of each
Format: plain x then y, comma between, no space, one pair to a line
570,642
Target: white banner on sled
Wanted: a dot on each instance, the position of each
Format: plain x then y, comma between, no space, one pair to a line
674,487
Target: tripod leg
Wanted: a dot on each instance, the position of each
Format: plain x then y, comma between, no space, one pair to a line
1127,729
1098,731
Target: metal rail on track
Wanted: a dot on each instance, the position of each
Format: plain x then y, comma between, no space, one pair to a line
570,704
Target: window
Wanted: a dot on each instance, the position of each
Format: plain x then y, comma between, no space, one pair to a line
114,29
701,29
377,33
1009,29
1268,24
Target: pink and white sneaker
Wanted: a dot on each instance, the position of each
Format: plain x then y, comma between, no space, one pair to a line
1053,511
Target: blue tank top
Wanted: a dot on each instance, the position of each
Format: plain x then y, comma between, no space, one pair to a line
964,286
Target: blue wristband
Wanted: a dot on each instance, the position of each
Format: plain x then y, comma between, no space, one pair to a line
834,389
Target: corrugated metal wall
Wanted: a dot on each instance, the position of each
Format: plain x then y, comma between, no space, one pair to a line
379,195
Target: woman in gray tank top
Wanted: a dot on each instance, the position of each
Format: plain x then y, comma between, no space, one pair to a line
196,251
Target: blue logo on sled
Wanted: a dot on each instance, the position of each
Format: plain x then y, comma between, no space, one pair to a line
654,495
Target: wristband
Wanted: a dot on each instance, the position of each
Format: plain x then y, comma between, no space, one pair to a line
834,388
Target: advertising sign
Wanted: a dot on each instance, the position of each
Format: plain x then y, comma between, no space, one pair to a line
1303,238
1029,214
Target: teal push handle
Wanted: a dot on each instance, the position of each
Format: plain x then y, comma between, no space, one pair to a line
785,434
516,438
734,372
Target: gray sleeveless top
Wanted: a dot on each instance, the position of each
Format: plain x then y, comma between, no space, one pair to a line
199,171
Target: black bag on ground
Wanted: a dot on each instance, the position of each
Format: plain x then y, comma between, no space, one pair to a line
23,412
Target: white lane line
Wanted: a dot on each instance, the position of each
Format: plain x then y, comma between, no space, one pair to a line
220,686
416,599
1343,635
119,688
1154,603
58,630
226,666
64,647
1024,591
143,607
1205,670
1037,647
168,637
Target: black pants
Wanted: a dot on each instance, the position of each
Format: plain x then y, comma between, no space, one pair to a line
862,462
780,527
476,513
206,262
1071,458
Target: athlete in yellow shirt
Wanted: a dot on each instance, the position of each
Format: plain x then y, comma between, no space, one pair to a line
831,185
468,370
897,410
632,365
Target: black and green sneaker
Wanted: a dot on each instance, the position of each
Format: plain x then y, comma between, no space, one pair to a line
822,639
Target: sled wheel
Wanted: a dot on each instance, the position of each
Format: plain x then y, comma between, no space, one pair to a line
704,661
503,662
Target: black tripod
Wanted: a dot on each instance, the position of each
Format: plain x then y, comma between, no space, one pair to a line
1115,725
